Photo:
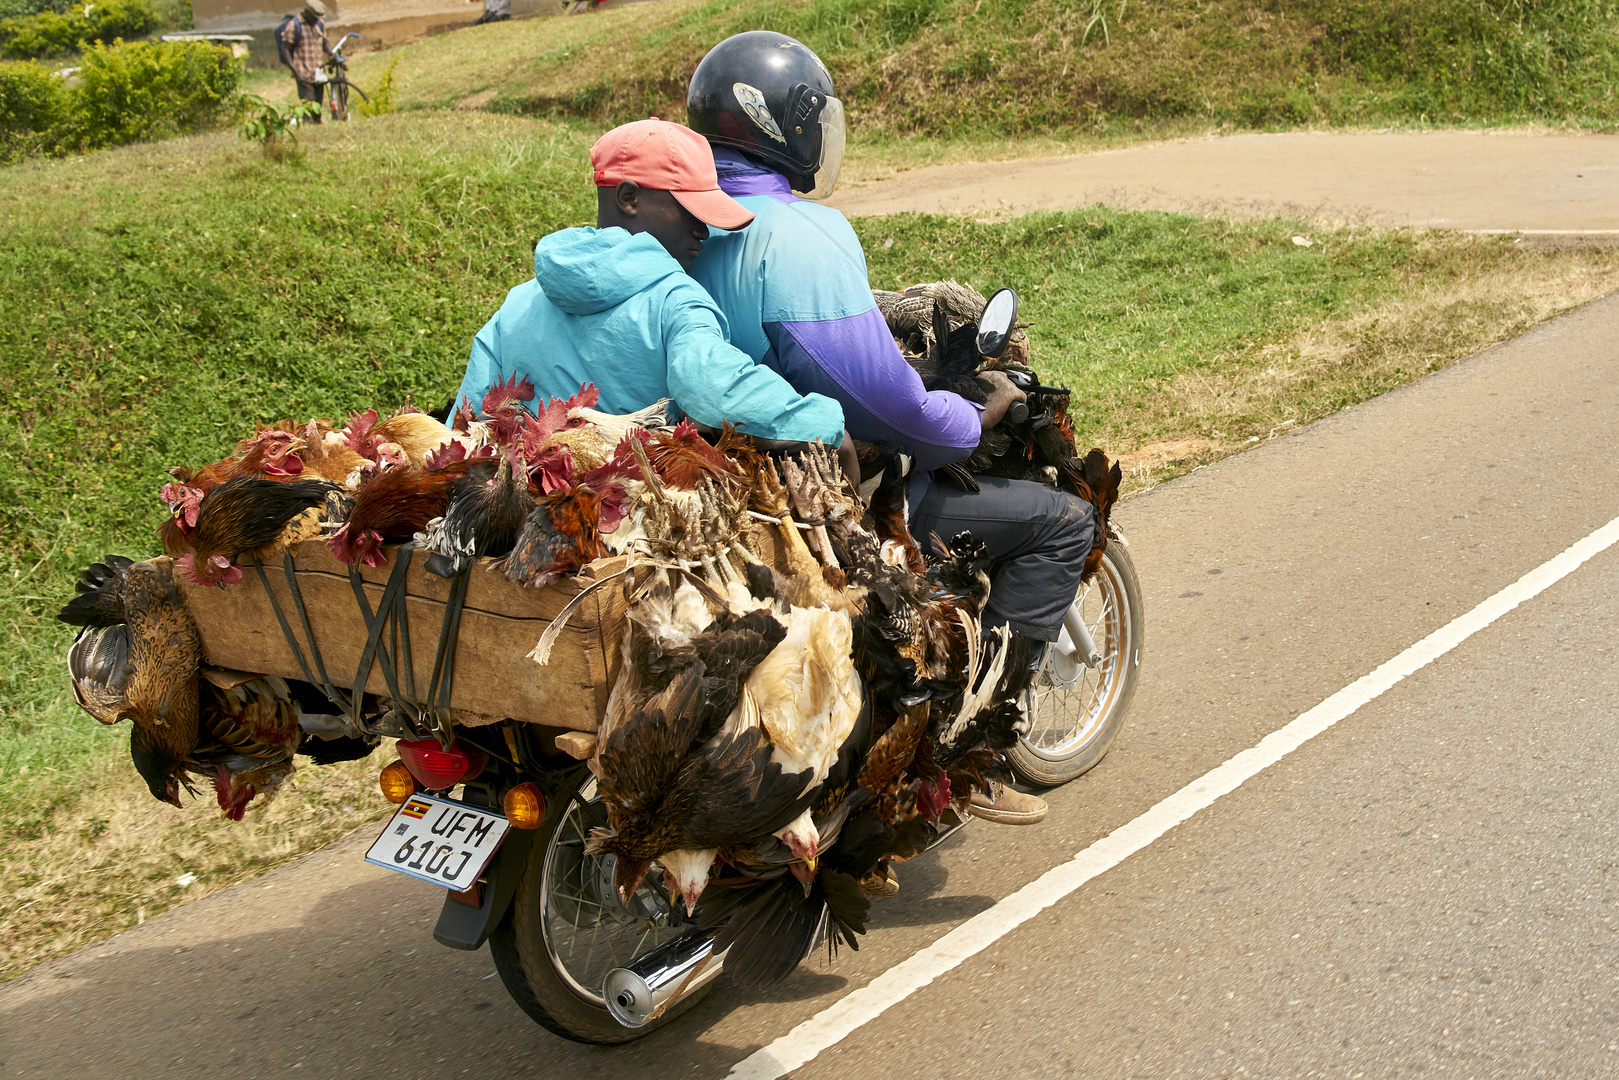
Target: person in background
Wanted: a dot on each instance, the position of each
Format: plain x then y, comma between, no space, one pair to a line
613,305
301,44
495,11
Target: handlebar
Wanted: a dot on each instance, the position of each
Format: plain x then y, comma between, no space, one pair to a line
337,50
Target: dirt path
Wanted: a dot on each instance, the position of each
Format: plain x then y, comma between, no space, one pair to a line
1554,184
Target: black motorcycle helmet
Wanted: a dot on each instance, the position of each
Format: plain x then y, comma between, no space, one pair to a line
768,96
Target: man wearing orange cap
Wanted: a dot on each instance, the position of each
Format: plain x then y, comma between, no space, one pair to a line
614,306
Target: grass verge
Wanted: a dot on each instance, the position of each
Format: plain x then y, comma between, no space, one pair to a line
981,68
156,300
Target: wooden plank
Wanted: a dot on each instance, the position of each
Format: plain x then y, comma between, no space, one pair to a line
499,625
576,744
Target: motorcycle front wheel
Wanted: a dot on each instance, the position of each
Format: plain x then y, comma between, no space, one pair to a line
1076,708
567,928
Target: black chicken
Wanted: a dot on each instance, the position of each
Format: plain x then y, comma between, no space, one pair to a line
487,509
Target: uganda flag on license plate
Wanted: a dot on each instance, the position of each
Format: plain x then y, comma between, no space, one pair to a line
416,808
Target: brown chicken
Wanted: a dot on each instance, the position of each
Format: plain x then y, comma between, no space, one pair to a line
151,681
393,504
327,454
249,733
680,774
270,453
246,517
564,530
682,457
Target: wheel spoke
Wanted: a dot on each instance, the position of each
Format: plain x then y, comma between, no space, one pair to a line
1066,716
588,931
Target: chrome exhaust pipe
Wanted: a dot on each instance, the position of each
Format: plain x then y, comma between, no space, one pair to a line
640,993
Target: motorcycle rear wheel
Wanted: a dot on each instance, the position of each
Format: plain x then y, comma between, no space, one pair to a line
566,928
1076,711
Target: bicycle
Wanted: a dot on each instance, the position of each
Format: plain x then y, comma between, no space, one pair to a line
337,77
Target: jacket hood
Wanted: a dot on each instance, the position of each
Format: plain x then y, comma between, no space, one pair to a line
586,270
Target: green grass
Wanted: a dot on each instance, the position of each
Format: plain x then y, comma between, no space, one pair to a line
156,300
957,69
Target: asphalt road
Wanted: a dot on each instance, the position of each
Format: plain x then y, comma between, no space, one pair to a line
1426,887
1555,184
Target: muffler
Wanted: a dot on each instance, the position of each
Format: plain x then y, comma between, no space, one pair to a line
640,993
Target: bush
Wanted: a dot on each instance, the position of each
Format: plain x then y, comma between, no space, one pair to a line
275,128
11,8
51,33
384,99
149,90
33,106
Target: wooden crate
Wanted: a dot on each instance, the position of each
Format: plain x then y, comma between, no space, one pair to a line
500,623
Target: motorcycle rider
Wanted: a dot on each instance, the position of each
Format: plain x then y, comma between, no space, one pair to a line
613,305
794,288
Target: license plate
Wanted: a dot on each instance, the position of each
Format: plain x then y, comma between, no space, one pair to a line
439,840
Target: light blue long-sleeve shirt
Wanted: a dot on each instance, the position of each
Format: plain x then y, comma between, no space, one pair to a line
616,310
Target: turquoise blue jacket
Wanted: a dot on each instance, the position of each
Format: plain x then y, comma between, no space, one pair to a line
615,309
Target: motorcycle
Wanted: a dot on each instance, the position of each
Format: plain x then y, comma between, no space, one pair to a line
591,966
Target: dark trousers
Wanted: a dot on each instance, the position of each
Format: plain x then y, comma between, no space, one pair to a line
1038,535
311,91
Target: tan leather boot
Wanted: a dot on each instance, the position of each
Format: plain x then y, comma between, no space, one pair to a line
1007,806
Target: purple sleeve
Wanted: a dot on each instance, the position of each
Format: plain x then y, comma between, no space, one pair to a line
855,361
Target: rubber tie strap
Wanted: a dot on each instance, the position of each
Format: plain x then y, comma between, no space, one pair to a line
401,624
309,635
286,628
375,649
438,692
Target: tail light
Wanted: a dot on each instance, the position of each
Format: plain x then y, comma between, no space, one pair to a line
524,806
436,768
397,783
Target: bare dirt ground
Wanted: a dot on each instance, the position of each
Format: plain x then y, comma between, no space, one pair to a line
1549,184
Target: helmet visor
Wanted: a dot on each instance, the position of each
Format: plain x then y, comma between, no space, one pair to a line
832,142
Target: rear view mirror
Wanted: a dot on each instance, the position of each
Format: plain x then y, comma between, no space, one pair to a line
995,325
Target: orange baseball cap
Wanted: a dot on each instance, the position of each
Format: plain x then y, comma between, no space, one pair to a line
667,157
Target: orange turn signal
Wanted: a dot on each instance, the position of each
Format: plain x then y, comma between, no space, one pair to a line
396,782
524,806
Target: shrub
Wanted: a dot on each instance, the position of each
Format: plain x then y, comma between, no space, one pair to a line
50,33
11,8
149,90
384,99
33,106
275,128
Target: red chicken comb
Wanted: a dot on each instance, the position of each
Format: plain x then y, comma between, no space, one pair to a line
506,395
232,803
464,415
215,570
357,433
450,453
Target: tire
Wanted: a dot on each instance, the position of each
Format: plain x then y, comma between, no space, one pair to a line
551,966
1076,711
340,100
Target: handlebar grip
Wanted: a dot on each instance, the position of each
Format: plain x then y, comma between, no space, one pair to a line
1017,412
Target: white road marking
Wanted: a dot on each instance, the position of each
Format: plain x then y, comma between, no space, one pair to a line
833,1024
